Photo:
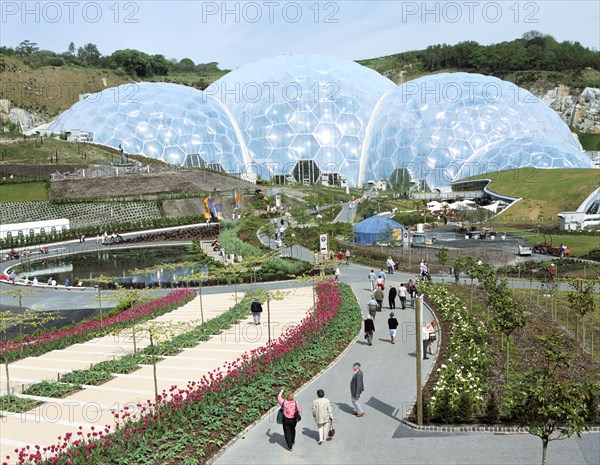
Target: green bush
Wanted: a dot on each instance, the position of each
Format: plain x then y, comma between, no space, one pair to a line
492,410
464,408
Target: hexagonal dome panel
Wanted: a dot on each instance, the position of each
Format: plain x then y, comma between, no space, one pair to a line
523,153
446,118
320,98
159,120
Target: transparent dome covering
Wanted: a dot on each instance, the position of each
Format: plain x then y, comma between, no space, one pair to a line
313,108
430,126
159,120
523,153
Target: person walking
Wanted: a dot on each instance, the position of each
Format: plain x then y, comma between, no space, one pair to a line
372,307
291,416
369,330
357,387
378,294
393,327
372,278
392,297
382,275
323,414
336,273
390,265
347,257
256,309
402,291
425,338
412,290
432,336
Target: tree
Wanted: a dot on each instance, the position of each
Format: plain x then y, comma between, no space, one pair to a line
582,300
547,406
27,47
71,49
443,256
509,313
89,55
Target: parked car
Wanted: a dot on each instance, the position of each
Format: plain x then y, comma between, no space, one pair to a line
524,250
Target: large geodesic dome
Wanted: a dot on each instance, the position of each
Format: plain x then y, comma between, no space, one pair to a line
523,153
430,126
160,120
316,118
303,116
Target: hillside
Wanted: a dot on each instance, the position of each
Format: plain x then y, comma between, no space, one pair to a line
545,193
45,83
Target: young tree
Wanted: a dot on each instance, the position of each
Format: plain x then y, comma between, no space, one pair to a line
581,300
547,406
71,49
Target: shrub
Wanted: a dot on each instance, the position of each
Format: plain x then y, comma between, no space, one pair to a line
464,409
492,410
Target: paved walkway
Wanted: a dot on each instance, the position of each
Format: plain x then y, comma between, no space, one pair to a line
378,437
390,390
94,405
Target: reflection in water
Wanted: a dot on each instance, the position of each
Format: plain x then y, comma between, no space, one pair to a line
114,263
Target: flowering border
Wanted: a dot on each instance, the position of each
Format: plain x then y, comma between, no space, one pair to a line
466,365
13,350
205,398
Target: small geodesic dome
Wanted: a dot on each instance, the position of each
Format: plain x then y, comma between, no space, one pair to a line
375,229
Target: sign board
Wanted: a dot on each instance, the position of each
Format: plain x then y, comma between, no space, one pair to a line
323,244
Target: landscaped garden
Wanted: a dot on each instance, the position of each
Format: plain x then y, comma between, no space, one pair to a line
220,405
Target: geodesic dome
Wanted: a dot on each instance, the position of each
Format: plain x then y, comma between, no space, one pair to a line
523,153
303,116
375,229
160,120
430,126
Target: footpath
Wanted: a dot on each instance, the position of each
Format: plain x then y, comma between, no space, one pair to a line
94,406
380,436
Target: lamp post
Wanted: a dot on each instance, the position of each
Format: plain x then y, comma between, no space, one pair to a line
268,319
199,293
100,304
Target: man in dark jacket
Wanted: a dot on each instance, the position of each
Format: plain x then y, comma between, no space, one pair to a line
369,330
356,388
392,293
256,309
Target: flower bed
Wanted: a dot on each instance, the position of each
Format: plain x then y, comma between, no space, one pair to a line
466,364
37,345
188,425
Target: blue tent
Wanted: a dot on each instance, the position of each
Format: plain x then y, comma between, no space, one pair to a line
375,229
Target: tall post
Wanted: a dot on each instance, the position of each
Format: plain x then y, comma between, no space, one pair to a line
269,319
201,308
418,306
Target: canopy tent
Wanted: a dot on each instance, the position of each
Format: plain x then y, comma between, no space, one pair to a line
376,229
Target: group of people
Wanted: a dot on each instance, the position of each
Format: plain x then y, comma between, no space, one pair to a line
341,256
322,410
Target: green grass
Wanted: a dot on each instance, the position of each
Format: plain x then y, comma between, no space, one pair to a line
30,152
544,193
589,141
23,192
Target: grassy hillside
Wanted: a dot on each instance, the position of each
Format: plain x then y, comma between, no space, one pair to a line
23,192
48,90
544,192
30,151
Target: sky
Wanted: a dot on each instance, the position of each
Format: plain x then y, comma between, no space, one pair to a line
234,33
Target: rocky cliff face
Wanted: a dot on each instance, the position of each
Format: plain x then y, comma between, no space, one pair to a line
579,111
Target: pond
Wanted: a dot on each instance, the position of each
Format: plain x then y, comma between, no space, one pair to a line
116,264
